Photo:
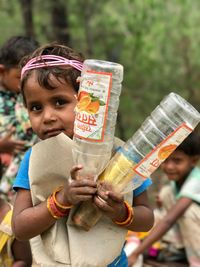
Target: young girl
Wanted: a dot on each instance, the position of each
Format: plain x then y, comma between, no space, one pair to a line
181,200
49,87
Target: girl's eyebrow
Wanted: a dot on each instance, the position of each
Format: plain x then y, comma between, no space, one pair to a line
58,95
33,102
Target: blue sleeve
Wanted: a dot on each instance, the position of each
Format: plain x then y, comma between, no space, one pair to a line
22,178
120,261
143,187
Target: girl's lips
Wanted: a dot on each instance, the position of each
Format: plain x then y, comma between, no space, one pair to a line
53,132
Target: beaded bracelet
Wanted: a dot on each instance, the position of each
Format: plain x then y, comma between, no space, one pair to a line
54,211
130,216
57,203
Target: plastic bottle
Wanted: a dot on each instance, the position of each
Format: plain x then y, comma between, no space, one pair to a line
96,114
159,135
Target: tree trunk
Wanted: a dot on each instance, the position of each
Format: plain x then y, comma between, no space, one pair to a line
27,7
59,21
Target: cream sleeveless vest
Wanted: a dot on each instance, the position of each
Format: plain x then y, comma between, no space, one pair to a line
64,244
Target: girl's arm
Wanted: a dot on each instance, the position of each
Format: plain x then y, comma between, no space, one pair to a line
22,254
143,218
29,221
162,227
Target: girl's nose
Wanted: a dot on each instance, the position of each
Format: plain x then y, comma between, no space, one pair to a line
49,115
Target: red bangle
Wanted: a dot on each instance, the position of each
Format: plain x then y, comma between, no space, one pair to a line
54,211
50,210
130,216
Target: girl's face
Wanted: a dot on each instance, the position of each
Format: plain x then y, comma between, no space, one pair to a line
50,111
178,165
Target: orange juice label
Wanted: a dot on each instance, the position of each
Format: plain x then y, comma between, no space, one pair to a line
153,160
92,107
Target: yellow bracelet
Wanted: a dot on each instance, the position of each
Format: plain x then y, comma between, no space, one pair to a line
129,218
57,203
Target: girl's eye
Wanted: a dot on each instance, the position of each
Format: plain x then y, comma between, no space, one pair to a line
60,102
35,108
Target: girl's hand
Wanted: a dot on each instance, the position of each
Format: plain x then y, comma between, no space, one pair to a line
110,202
77,189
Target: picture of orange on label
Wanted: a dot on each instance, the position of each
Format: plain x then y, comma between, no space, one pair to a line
165,151
88,102
93,107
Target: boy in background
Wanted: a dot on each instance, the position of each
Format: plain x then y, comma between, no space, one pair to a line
181,200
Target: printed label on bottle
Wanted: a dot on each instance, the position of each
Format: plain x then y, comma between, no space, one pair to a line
153,160
92,107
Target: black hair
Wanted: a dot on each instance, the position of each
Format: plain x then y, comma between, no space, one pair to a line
15,49
191,145
62,73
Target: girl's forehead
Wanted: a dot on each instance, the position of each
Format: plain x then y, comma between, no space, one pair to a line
35,78
33,85
31,77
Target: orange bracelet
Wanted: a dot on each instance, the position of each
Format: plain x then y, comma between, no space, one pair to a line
50,210
54,211
129,218
57,203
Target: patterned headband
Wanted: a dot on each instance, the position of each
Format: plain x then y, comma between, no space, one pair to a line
44,61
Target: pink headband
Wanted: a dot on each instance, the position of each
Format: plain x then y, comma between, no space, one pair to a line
50,60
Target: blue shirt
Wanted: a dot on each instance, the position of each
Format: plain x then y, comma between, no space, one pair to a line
22,181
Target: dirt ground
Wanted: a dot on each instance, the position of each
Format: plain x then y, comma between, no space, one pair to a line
150,263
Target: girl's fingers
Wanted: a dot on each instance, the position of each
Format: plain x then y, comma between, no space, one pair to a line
84,198
87,190
74,171
102,204
83,183
106,192
115,197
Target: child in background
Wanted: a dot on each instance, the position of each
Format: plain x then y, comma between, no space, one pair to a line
49,87
13,253
181,200
16,135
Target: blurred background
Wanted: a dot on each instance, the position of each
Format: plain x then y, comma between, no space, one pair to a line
156,41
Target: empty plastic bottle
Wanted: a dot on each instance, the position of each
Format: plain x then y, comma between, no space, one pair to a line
159,135
96,114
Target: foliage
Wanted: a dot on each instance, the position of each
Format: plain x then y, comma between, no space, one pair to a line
156,41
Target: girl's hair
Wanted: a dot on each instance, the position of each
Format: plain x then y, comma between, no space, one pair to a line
66,73
191,145
15,49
